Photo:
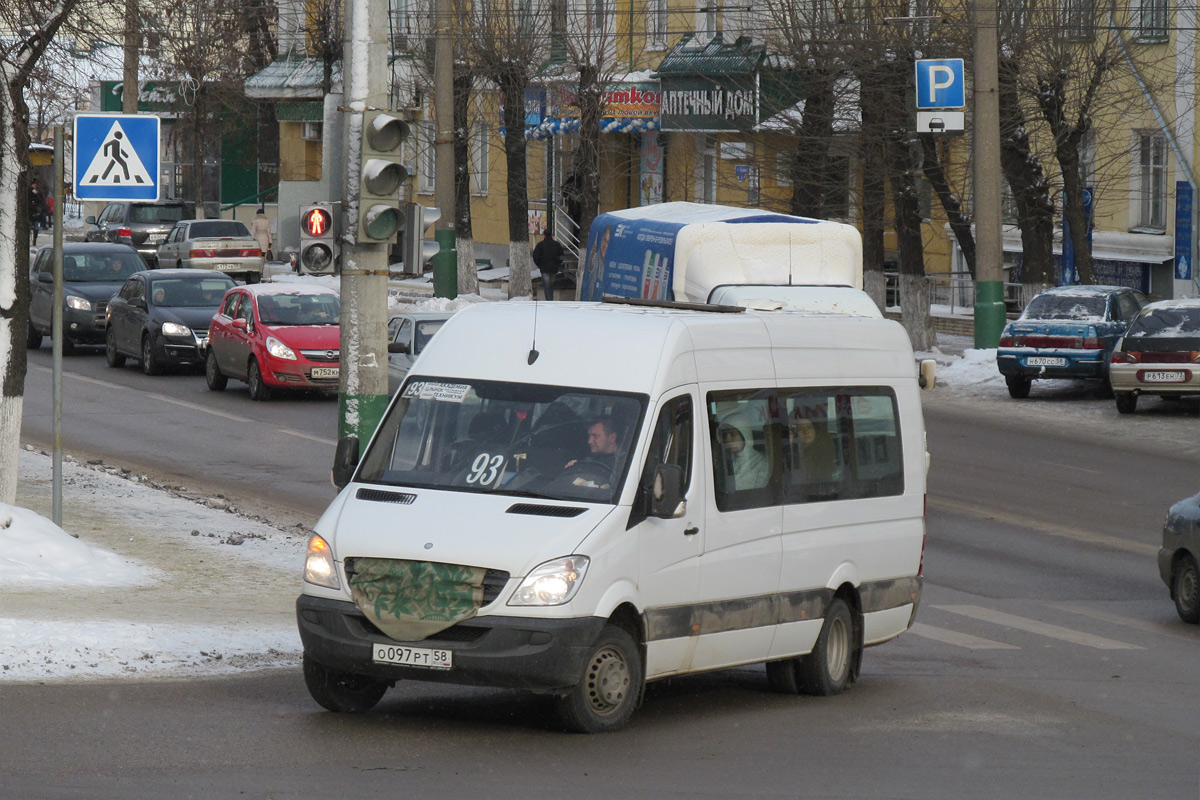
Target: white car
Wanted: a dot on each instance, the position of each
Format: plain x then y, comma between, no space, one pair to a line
407,336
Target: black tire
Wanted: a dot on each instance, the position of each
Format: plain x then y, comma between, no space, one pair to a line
213,376
606,696
827,669
111,355
150,365
784,676
34,339
1106,390
253,277
258,389
1185,588
343,692
1126,402
1018,387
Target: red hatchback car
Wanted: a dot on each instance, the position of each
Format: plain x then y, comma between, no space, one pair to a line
275,336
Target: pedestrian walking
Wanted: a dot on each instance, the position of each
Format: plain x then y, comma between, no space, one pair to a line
37,208
260,227
548,257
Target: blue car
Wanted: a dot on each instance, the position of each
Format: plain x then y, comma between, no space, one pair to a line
1066,332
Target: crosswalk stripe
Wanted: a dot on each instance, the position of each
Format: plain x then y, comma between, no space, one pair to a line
1170,626
1039,628
1041,526
960,639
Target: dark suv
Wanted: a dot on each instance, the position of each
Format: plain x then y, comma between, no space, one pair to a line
143,225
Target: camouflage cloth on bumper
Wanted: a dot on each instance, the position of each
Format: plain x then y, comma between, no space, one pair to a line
412,600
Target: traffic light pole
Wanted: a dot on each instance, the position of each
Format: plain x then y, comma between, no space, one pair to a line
362,388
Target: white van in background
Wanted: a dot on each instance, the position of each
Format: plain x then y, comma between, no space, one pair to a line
609,494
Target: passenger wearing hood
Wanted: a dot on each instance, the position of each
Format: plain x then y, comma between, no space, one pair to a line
748,467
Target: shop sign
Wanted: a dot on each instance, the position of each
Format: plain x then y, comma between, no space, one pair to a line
621,101
702,104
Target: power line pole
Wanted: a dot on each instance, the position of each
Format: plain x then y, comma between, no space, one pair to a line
445,263
362,385
989,264
129,75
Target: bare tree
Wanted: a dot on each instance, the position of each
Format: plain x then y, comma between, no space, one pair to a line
507,44
36,23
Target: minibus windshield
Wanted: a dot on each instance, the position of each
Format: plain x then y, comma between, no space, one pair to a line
552,442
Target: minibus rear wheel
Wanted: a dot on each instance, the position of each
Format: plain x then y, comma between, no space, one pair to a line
826,670
604,699
343,692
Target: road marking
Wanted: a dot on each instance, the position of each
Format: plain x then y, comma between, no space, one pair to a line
309,436
1174,628
197,407
960,639
1048,528
1039,628
1076,468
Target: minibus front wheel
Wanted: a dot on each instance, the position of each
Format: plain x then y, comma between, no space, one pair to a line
604,699
339,691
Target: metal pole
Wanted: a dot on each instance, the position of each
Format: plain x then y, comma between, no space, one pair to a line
57,327
445,263
989,266
362,388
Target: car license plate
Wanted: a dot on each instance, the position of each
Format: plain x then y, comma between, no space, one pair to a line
155,238
1164,376
1045,361
325,372
413,656
226,267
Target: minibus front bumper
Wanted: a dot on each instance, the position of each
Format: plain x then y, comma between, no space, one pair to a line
541,655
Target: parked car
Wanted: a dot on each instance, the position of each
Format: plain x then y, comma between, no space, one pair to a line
1065,332
275,336
407,336
1159,354
141,225
92,273
161,317
224,245
1177,557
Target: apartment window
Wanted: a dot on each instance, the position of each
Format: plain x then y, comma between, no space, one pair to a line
1150,19
706,183
706,21
599,14
783,169
479,158
426,156
399,25
656,22
1078,19
1152,181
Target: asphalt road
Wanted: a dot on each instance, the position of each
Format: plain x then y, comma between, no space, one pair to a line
1047,660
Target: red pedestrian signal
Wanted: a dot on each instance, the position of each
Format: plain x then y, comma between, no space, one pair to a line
316,222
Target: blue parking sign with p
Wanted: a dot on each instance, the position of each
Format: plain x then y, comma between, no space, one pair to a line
116,157
941,83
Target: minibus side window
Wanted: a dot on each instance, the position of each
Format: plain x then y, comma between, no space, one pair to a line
841,443
744,430
671,443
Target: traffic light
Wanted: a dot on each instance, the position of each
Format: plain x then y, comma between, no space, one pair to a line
318,244
381,176
417,249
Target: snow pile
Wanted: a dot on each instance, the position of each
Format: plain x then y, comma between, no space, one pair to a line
975,371
33,550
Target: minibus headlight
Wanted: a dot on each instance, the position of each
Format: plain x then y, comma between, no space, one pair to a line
319,567
552,583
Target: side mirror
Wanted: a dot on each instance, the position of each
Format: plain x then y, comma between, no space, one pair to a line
345,460
239,323
927,376
45,277
666,492
138,302
398,347
90,220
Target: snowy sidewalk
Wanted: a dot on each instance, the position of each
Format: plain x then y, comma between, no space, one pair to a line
156,584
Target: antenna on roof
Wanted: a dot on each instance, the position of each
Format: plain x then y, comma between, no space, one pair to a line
533,353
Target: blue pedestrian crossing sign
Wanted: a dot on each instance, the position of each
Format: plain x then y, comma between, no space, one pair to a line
941,83
116,157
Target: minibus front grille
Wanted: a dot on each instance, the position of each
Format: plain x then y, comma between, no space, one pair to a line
534,510
494,581
380,496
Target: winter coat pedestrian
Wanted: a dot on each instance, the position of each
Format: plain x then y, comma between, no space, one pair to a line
548,258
